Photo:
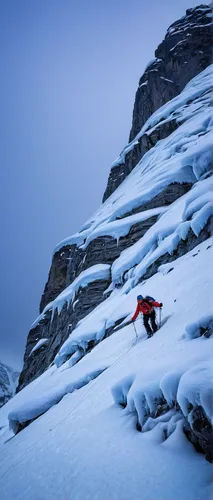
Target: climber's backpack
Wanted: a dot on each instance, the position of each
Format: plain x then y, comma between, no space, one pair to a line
148,298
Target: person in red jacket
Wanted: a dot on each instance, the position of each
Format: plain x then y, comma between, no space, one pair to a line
146,307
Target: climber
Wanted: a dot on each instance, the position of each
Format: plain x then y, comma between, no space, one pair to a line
146,307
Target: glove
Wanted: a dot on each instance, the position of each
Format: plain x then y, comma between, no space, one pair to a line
161,305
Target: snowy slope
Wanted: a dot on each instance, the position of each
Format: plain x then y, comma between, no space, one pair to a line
8,383
80,420
86,446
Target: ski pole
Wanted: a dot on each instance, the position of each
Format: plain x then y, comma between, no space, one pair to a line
135,329
160,317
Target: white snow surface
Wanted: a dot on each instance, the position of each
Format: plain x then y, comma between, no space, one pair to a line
184,156
85,445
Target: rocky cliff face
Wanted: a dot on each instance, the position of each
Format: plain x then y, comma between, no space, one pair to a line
184,53
8,383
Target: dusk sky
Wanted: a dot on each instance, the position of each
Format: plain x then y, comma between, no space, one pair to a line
69,73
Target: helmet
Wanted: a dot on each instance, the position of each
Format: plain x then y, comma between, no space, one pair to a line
139,297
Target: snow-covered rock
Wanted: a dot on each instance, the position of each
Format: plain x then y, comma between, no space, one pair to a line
162,210
95,380
185,52
98,272
185,156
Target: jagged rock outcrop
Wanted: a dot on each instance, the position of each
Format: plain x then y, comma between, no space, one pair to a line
57,329
185,52
120,171
71,259
200,433
104,250
64,269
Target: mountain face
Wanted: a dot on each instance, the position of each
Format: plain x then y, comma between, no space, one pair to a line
8,383
109,411
184,53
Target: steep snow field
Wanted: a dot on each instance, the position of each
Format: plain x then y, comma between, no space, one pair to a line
107,419
87,446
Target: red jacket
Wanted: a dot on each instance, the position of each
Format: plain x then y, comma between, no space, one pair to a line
145,308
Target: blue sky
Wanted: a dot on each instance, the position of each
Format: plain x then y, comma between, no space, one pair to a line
69,73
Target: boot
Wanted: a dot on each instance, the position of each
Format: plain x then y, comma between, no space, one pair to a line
149,333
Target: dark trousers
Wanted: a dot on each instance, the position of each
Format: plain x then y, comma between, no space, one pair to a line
146,319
